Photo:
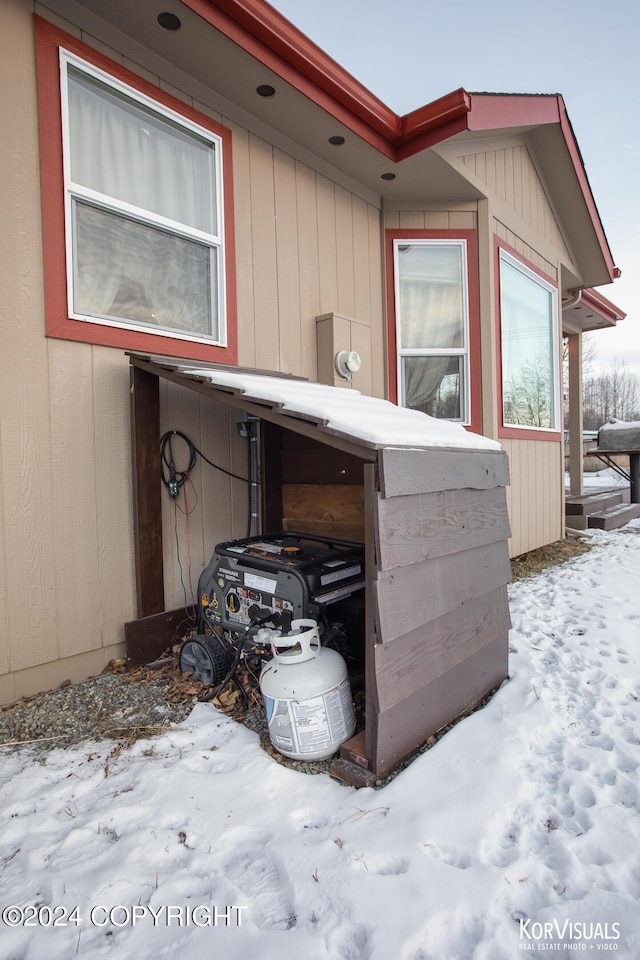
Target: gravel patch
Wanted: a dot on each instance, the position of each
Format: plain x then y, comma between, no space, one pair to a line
111,706
124,706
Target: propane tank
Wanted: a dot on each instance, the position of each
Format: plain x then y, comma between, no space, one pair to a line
307,695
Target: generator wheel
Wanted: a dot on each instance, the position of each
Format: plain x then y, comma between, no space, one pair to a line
205,659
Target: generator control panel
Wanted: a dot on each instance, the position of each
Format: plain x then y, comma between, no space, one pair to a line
292,575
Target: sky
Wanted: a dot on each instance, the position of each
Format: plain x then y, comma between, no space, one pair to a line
516,834
413,51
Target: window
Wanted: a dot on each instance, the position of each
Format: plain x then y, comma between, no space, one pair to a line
144,244
530,347
432,326
137,200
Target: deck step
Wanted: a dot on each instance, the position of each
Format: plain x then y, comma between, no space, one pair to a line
593,503
614,517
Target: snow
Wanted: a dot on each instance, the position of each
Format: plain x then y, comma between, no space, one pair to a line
516,833
350,412
614,424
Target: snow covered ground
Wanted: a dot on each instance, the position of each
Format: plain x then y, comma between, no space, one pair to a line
517,834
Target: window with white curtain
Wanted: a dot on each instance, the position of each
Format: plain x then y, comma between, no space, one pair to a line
144,224
530,347
432,326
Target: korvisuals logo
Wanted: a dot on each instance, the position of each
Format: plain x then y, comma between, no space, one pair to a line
568,935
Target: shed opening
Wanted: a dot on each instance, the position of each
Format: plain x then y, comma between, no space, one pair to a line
428,506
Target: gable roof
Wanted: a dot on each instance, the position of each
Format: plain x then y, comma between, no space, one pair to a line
227,48
272,39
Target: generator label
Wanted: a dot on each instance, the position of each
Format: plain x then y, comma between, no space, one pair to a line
310,727
260,583
229,574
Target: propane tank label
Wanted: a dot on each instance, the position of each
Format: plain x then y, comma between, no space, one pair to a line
311,726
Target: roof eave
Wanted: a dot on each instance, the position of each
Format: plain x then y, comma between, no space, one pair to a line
268,36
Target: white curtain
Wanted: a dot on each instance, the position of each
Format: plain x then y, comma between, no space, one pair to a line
133,272
128,153
123,268
431,313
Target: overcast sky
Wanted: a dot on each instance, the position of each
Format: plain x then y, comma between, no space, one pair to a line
409,52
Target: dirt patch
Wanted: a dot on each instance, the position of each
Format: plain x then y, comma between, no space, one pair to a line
534,562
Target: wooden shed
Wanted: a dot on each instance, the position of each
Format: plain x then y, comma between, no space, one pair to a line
426,498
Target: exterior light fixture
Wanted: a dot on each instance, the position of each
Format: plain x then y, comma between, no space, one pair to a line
336,141
347,363
169,21
265,90
387,176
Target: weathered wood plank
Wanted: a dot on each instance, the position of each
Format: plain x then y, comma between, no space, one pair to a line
325,528
408,724
409,597
332,502
425,525
149,637
405,665
321,465
426,471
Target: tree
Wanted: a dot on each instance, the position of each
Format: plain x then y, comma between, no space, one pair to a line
614,394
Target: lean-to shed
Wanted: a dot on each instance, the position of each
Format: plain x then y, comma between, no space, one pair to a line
428,498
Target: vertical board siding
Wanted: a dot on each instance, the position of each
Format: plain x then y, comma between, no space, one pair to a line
377,325
242,213
266,333
114,493
25,422
182,412
327,244
217,503
511,174
308,265
345,252
288,266
305,246
535,498
73,495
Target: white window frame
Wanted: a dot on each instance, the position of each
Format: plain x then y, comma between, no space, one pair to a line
554,321
462,352
74,191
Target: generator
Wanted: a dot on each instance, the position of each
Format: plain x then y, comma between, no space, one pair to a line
275,579
293,576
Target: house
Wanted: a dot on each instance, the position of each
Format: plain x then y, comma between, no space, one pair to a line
195,179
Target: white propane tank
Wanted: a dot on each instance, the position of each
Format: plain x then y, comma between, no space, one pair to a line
307,695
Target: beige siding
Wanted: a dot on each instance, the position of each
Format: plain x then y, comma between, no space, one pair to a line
434,219
304,246
535,496
216,504
512,176
526,250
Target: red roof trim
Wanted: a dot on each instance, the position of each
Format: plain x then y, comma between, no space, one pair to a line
581,173
490,111
603,307
273,40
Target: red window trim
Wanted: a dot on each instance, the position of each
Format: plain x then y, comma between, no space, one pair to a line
475,375
505,430
58,323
